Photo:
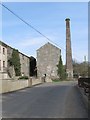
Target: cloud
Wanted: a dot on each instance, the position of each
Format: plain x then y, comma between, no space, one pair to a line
36,41
10,23
32,42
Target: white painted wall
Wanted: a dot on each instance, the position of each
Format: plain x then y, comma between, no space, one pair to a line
3,57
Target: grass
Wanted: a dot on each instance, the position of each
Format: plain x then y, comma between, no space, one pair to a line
56,80
59,80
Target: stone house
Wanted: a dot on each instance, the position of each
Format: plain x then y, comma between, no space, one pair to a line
25,64
3,60
47,60
5,55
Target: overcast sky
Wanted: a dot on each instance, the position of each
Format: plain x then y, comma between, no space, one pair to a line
49,19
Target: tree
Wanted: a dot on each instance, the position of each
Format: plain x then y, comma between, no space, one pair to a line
15,61
61,71
89,70
80,68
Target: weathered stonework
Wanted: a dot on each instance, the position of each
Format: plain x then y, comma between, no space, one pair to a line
47,61
25,64
9,70
69,66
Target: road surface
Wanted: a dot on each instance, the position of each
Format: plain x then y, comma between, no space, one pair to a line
48,100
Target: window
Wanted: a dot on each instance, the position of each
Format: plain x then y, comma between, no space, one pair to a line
3,64
4,51
0,64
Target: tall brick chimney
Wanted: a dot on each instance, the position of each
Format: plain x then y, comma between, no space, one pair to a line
69,66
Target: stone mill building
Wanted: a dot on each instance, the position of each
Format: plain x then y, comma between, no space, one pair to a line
47,60
6,70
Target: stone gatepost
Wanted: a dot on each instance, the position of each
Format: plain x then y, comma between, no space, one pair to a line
30,82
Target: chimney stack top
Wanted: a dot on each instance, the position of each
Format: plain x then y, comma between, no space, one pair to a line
67,19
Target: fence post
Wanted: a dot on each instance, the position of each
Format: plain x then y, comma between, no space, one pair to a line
30,82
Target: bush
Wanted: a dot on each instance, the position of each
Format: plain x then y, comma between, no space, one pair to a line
23,77
56,80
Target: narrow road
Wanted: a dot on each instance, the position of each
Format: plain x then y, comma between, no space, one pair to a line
49,100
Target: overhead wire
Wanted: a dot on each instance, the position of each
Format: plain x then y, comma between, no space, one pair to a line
28,24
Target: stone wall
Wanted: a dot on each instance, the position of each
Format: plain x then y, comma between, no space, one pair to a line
12,85
25,64
8,85
47,60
